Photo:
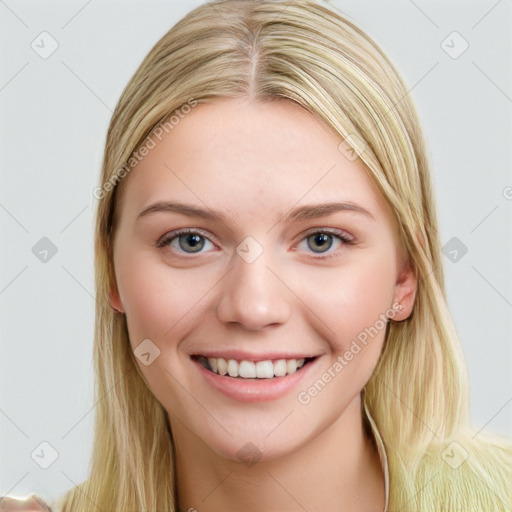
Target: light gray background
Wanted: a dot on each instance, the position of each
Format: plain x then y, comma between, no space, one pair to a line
54,117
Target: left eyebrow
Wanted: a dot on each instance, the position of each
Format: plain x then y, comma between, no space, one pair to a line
321,210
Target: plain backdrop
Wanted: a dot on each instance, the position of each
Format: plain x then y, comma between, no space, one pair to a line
55,111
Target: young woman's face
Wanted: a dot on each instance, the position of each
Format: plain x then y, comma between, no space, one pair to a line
248,242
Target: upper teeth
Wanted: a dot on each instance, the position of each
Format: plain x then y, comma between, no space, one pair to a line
252,370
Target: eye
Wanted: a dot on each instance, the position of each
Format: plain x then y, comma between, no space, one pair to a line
322,242
186,241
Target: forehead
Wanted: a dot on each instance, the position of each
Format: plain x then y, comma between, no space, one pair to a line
264,158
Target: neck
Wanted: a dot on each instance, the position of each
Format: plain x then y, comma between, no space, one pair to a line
339,470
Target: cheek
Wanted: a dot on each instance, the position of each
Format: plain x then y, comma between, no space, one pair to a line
159,301
162,304
353,301
351,318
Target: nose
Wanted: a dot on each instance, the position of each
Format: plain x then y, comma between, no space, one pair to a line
253,297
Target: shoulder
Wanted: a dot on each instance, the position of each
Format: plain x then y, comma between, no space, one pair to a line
32,503
473,471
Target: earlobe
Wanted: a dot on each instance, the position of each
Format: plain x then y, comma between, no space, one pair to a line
405,292
115,300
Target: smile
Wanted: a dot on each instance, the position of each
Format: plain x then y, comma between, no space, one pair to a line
246,378
243,369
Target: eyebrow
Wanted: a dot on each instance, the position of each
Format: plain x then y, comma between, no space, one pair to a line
300,213
324,209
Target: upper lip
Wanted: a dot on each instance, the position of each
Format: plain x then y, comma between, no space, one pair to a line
239,355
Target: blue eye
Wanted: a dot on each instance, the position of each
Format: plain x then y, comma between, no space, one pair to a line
323,242
320,242
189,242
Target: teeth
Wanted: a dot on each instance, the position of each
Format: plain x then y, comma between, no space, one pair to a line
280,368
222,366
250,370
264,369
291,366
232,368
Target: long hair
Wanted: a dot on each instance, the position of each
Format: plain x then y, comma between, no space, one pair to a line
418,393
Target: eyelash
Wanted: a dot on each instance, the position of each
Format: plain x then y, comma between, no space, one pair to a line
344,237
164,241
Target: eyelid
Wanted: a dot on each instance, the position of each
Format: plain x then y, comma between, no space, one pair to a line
344,235
344,238
170,235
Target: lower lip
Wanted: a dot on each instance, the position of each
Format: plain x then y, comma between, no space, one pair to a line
254,390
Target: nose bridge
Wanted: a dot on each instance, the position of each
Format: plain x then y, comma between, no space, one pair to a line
252,296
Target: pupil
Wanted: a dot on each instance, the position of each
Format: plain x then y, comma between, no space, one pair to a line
320,242
191,243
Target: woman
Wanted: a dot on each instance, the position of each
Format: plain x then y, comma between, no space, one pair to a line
271,326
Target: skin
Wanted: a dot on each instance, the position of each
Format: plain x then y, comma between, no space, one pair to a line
254,162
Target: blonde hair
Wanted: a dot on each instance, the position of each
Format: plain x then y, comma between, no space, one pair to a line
418,394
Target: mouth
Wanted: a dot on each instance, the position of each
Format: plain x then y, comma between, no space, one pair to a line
246,377
253,370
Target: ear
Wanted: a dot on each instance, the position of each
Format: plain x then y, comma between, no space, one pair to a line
115,300
405,290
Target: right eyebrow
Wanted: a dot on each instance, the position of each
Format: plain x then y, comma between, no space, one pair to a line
182,208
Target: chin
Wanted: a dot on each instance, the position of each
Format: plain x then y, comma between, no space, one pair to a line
251,449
